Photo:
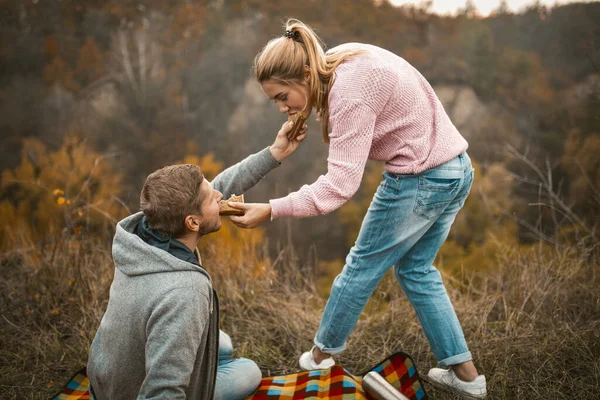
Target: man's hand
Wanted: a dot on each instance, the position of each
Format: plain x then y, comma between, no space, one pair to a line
283,147
256,213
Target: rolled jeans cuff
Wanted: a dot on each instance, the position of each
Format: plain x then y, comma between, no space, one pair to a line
457,359
329,350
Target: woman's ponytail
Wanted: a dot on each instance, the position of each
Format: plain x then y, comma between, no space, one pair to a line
299,51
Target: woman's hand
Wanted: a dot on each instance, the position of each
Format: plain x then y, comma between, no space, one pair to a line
283,147
256,213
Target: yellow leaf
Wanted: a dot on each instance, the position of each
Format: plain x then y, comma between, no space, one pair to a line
55,312
60,201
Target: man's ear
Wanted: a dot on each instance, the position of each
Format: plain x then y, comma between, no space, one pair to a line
192,222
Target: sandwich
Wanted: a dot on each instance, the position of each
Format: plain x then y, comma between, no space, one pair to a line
298,119
225,209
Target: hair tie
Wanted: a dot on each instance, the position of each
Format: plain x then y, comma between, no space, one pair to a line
291,34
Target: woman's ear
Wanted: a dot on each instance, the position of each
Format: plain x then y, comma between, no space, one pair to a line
306,73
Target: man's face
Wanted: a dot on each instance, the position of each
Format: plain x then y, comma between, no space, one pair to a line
210,219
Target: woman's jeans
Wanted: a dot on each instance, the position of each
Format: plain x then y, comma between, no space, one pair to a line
406,224
236,378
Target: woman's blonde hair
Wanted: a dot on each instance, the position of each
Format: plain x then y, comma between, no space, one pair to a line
300,51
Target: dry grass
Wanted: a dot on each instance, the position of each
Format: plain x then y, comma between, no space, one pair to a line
533,323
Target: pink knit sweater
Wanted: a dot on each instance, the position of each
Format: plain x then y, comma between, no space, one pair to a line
381,108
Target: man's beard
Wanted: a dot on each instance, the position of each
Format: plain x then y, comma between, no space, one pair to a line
210,228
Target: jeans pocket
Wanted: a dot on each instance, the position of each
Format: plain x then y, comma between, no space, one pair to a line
434,194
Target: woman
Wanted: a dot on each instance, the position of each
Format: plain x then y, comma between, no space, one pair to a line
372,104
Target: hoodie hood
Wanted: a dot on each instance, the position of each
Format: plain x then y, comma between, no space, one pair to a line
133,256
170,245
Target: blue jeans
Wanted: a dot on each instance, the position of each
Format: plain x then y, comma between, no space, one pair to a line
407,222
236,378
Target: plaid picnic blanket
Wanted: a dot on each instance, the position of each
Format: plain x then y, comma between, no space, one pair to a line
335,383
76,388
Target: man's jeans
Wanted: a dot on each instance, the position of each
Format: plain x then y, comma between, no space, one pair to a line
236,378
406,224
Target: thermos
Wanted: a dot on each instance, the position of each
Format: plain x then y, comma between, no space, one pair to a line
379,388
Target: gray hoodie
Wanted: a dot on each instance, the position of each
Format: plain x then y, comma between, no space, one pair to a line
159,335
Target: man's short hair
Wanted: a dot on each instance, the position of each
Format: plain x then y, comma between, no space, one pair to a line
169,195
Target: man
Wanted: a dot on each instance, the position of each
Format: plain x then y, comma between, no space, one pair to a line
159,337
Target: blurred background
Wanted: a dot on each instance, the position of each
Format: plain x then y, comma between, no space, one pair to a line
95,95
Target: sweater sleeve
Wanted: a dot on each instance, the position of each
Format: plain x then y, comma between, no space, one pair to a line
350,142
354,109
174,333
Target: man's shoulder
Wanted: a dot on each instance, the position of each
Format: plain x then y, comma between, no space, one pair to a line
157,284
193,280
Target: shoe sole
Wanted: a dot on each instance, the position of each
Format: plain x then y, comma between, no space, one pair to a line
452,390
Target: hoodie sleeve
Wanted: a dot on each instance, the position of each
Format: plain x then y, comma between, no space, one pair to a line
240,177
174,332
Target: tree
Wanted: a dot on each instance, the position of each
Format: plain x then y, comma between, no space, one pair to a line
581,161
69,190
90,63
469,10
58,72
502,8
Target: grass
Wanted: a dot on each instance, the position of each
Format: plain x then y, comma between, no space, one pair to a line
533,323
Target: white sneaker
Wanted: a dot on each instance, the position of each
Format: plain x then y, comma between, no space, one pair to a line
446,379
307,362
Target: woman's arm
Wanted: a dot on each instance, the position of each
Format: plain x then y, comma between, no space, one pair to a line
242,176
354,108
348,153
353,125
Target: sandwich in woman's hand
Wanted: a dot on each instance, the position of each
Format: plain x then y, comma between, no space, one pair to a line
225,209
299,118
